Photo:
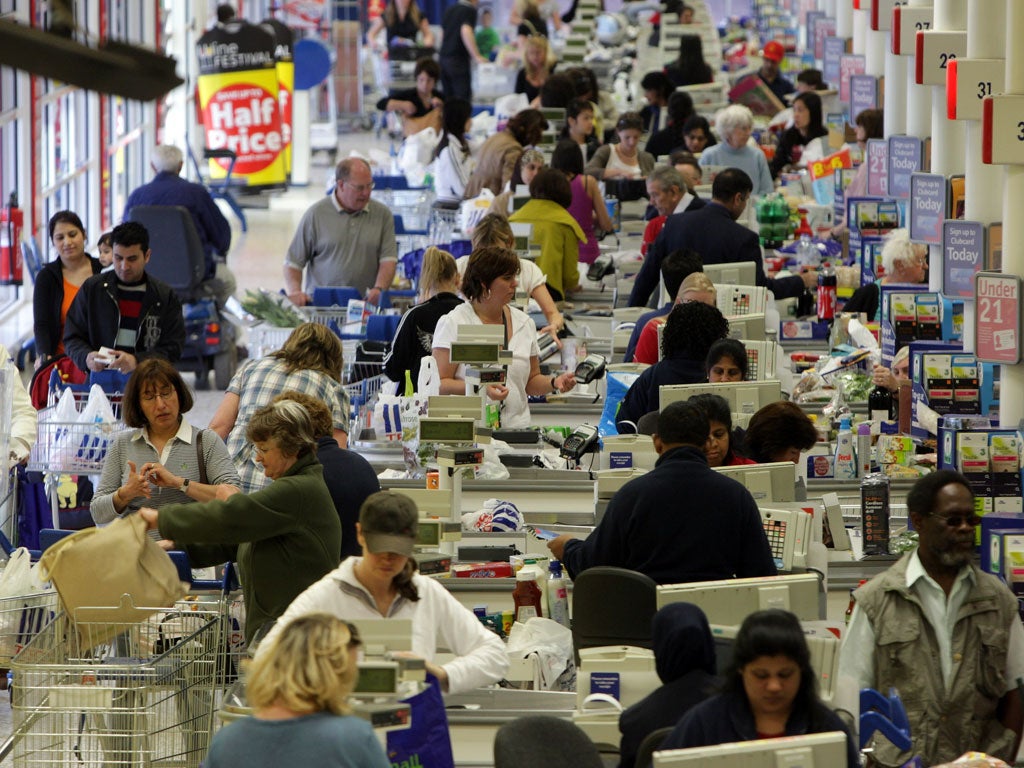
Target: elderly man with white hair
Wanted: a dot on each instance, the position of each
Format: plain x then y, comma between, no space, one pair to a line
734,124
168,188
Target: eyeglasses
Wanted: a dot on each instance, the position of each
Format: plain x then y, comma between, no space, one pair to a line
359,187
955,521
165,395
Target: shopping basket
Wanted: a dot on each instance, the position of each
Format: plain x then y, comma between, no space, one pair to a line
145,697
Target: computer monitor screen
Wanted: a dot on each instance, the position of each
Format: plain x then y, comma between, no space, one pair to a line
457,406
380,636
743,396
747,327
729,601
732,272
770,483
814,750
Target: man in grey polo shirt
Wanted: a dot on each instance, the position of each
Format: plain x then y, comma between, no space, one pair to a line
344,239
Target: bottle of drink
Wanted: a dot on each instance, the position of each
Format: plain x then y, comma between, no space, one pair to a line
526,598
880,403
558,600
806,251
827,285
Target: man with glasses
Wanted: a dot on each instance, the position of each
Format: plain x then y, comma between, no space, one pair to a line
945,634
344,239
121,317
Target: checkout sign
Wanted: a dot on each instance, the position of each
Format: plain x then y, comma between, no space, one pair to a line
997,317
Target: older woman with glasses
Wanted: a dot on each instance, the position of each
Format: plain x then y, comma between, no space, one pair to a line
165,460
284,537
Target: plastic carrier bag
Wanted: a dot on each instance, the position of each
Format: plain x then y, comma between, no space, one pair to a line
96,418
618,384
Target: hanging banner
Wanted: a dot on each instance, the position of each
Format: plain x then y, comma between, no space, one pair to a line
238,99
284,56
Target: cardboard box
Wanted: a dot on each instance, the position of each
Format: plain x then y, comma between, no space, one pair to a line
997,521
937,366
903,306
1004,453
972,452
1008,504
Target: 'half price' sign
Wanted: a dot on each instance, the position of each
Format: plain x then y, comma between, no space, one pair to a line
997,326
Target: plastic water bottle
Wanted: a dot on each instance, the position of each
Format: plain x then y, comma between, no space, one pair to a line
558,602
827,285
807,254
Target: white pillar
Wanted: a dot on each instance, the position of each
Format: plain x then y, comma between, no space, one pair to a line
1011,399
860,31
301,145
986,22
895,92
919,97
844,18
829,7
876,45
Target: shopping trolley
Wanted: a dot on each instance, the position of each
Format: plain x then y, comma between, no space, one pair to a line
90,692
22,617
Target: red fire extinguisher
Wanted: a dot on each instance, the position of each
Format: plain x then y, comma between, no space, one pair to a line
12,219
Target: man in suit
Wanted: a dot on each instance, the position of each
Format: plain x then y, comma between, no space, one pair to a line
713,232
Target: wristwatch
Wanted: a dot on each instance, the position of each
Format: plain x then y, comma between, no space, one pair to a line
184,485
554,387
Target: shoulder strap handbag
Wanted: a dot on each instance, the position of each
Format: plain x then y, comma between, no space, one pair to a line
201,458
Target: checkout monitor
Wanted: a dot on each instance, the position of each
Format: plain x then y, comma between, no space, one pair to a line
770,483
729,601
744,396
732,272
382,636
814,750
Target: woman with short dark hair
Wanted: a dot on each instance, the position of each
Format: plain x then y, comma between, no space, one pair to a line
498,155
489,284
779,432
624,160
164,459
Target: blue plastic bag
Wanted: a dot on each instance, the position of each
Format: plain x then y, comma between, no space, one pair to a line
619,383
426,742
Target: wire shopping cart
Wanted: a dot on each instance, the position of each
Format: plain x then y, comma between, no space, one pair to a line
22,617
143,694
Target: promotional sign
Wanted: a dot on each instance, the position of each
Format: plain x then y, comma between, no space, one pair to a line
835,48
963,251
905,153
928,195
997,319
824,29
811,20
863,94
284,56
238,100
877,157
849,65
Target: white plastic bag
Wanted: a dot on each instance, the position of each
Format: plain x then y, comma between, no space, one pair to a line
429,381
417,151
471,211
551,646
510,104
24,610
96,419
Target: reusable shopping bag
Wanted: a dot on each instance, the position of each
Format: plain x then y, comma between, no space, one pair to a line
426,742
96,567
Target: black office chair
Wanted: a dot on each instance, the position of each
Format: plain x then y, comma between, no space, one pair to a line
650,745
539,741
612,606
178,256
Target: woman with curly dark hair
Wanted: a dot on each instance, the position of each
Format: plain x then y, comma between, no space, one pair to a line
689,332
779,432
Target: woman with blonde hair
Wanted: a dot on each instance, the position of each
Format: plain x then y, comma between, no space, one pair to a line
414,338
299,689
536,67
310,361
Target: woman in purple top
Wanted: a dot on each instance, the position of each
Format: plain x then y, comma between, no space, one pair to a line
587,201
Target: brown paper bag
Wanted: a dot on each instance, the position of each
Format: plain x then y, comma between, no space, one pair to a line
95,568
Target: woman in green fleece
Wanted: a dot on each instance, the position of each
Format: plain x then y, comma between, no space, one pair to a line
558,233
284,537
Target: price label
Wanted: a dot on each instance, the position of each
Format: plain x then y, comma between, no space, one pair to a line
935,52
997,317
906,23
877,158
963,250
968,82
1002,130
881,14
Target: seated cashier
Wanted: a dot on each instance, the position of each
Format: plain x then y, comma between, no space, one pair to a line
712,531
779,432
770,691
719,450
383,583
689,332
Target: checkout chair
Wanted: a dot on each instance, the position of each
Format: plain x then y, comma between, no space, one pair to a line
612,606
539,741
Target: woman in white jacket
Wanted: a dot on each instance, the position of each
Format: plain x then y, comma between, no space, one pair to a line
383,583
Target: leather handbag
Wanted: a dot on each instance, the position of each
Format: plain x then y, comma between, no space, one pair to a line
110,577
